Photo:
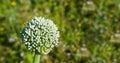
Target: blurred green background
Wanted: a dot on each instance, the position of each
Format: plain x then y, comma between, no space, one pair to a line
90,30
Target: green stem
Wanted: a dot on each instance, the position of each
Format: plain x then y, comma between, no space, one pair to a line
36,58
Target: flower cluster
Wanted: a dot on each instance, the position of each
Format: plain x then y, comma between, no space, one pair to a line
40,35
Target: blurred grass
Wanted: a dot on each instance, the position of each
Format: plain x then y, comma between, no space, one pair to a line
90,30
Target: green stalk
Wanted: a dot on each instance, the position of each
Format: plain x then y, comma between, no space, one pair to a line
36,58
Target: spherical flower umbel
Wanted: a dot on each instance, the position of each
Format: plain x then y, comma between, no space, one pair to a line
40,35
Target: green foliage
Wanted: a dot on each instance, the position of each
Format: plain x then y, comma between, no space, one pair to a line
90,30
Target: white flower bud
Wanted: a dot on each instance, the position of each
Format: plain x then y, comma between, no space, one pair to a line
40,35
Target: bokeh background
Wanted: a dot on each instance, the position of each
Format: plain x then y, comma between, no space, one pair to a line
90,30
